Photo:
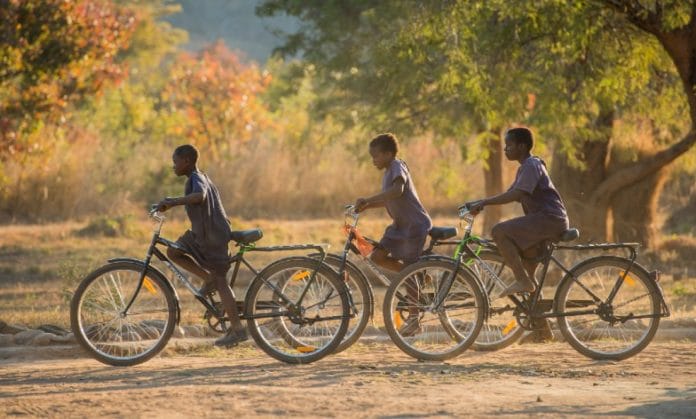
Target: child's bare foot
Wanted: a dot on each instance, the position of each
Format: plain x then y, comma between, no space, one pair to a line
518,287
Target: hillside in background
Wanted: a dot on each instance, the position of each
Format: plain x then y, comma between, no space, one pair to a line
235,22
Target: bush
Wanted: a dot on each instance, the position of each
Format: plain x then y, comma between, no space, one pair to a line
120,226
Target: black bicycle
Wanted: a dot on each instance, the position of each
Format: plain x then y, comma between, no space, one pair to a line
297,308
361,295
607,307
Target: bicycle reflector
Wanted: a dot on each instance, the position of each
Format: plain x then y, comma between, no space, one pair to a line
148,286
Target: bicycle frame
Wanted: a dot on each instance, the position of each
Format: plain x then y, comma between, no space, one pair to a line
238,259
351,228
350,247
538,308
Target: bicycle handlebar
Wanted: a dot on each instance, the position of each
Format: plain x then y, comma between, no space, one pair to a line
158,216
349,210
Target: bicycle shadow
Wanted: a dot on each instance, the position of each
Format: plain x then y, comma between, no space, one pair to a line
360,365
248,368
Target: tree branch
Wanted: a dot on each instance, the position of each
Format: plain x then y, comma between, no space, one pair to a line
638,15
635,173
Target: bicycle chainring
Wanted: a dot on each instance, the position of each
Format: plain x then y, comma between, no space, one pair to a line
215,323
523,319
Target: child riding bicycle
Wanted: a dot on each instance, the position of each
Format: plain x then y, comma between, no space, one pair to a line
403,240
545,215
203,250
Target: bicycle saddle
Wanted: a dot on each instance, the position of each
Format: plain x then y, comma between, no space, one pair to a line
247,236
442,233
569,235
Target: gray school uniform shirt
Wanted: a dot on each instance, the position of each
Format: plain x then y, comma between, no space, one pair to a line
209,223
541,195
410,218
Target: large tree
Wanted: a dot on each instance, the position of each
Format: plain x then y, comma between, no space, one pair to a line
415,67
673,25
456,66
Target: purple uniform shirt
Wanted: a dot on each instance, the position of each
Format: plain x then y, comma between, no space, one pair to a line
411,221
540,194
208,219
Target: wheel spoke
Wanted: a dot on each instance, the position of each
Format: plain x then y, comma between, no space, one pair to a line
115,337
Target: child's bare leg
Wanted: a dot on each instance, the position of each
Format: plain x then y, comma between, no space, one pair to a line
530,265
187,262
509,252
381,258
228,300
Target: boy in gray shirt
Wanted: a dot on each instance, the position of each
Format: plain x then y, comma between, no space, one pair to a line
404,239
545,215
203,249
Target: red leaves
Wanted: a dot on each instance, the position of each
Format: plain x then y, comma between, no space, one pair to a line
218,95
54,53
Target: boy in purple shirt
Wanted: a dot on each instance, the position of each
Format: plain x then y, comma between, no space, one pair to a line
545,215
203,250
404,239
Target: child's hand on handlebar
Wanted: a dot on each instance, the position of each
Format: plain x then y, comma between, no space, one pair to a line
164,204
474,207
360,204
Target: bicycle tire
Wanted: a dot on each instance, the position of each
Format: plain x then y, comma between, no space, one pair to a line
362,300
101,329
501,328
298,346
431,340
602,339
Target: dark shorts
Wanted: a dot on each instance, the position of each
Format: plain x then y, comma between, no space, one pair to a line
407,250
532,229
216,261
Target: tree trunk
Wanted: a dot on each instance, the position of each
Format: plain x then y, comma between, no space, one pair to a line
493,179
577,184
634,211
634,208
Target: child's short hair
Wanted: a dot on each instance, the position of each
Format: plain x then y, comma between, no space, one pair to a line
521,135
386,142
187,151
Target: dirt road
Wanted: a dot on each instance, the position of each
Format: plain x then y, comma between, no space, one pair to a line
371,379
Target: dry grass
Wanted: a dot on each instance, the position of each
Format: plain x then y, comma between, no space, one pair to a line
40,265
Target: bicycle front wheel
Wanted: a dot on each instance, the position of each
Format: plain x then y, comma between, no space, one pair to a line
297,311
361,300
501,329
427,329
113,335
603,328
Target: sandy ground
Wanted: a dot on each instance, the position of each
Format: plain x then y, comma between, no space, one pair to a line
371,379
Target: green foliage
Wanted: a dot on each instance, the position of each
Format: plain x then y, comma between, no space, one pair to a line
460,68
107,226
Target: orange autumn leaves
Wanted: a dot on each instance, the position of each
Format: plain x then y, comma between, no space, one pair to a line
216,98
54,53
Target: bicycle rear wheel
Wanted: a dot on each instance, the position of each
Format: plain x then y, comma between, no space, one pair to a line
616,329
426,331
112,336
311,329
361,300
501,329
